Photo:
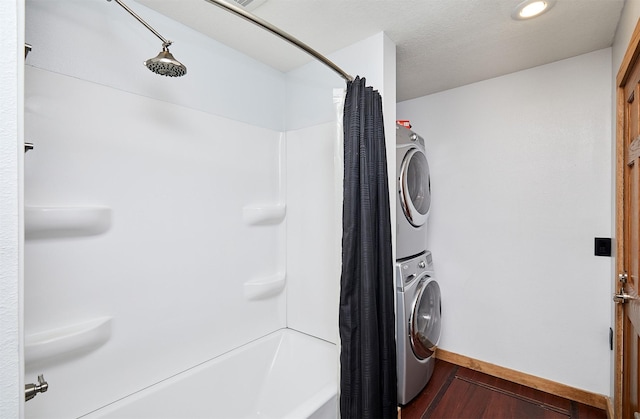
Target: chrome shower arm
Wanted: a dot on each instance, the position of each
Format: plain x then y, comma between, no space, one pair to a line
165,41
240,12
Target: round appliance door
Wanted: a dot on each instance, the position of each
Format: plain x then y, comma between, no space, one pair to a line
425,321
415,187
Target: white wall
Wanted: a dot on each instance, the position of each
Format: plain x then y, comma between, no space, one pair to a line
521,178
308,86
11,140
314,179
628,21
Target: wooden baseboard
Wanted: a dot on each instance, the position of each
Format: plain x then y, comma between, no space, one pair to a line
592,399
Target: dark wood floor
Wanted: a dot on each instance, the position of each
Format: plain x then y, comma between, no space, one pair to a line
461,393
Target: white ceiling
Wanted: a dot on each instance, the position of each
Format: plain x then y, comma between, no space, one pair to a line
441,44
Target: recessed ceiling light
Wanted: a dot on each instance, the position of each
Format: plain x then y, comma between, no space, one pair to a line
531,8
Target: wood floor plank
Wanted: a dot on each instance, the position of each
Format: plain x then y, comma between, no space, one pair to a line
516,389
458,392
416,408
582,411
465,399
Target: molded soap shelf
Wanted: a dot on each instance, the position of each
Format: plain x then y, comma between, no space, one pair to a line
55,222
67,341
261,288
266,214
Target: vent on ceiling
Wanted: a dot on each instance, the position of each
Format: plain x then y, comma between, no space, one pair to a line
248,5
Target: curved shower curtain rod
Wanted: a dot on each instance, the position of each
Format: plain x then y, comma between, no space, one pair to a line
276,31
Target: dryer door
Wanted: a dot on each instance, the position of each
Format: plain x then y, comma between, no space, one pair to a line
425,321
415,187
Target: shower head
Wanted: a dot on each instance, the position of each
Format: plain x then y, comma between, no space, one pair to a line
165,65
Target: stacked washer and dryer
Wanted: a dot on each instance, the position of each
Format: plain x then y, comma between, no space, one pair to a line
418,312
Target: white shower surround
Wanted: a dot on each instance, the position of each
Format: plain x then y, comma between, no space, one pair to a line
171,270
179,162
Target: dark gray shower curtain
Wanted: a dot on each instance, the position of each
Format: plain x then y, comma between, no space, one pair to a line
367,318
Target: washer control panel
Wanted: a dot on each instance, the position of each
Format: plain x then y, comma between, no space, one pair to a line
409,270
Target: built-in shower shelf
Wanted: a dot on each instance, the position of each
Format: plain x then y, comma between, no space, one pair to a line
261,288
67,342
265,214
54,222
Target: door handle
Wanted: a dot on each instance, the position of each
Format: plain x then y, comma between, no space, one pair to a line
622,297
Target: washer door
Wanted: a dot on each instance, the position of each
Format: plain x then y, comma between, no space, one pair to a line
425,321
415,187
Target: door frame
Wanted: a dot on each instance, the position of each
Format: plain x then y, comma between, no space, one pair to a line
631,56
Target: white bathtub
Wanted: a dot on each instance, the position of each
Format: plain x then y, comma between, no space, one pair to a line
286,374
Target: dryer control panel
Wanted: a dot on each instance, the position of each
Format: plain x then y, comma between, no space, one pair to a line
404,136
